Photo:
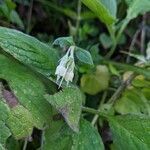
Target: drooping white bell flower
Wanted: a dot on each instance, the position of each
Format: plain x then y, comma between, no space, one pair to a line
65,69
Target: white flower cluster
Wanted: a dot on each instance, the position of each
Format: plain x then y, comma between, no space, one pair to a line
65,69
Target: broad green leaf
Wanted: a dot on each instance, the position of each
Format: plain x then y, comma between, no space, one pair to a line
129,103
101,10
135,100
64,42
59,136
95,82
28,89
68,102
87,139
138,7
20,122
83,56
130,132
29,50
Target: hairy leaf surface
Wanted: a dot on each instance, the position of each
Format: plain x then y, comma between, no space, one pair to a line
29,50
131,132
68,102
59,136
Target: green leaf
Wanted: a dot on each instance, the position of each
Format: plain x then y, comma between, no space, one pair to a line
28,90
113,70
130,132
13,143
137,7
129,103
101,10
29,50
140,82
83,56
59,136
64,42
135,100
4,133
68,102
4,130
146,92
138,70
14,17
82,140
95,82
4,109
1,147
111,5
105,40
20,122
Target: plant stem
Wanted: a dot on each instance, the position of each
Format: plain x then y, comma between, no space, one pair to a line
102,101
111,52
78,18
127,67
42,139
25,144
93,111
112,33
143,34
121,88
132,44
29,17
145,101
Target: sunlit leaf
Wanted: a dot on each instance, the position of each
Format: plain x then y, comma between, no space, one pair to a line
95,82
102,10
138,7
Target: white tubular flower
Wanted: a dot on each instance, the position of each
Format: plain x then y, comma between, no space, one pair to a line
65,69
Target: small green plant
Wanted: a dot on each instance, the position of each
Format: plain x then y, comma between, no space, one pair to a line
63,96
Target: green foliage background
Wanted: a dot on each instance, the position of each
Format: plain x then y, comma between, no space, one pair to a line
107,106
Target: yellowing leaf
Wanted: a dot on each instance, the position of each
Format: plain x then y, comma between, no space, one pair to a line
96,82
